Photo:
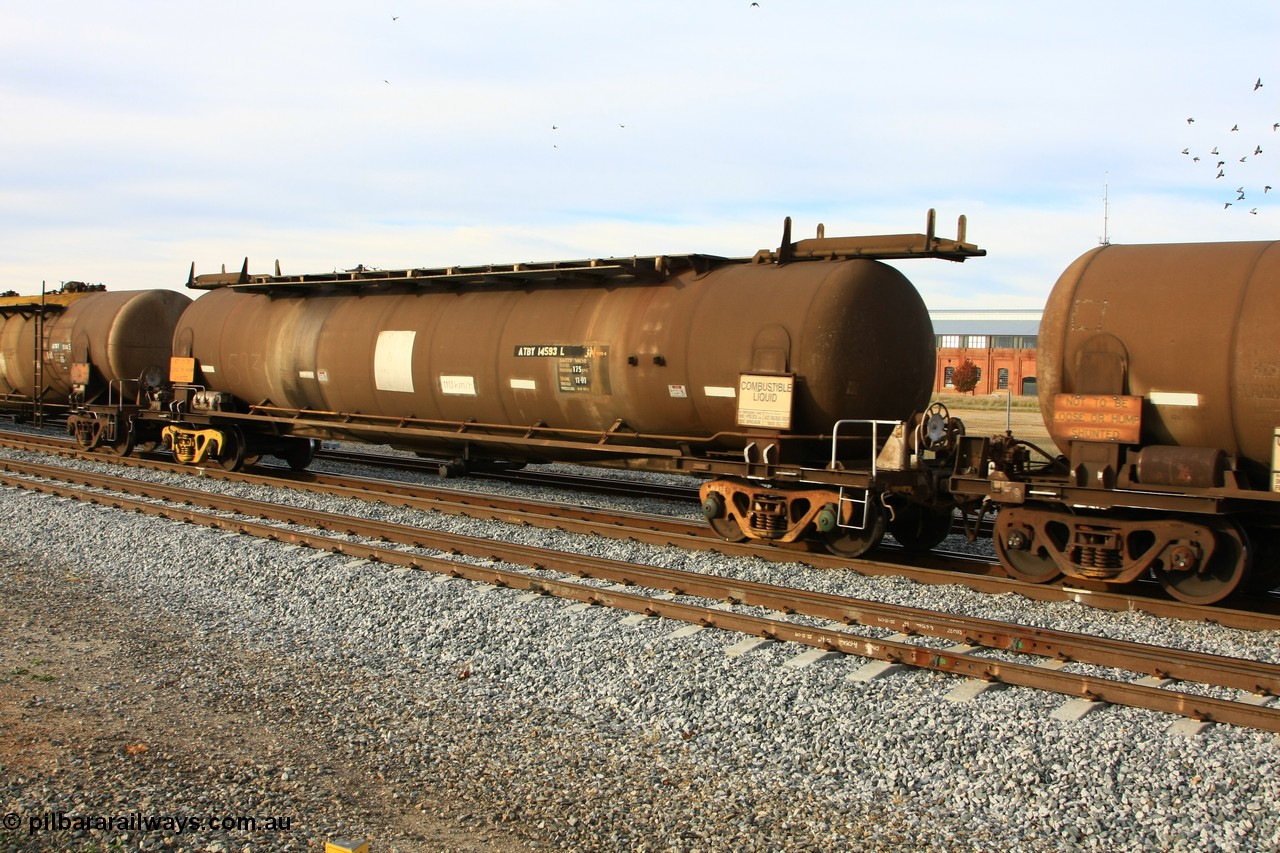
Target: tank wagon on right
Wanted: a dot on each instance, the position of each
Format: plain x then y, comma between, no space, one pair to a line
1159,380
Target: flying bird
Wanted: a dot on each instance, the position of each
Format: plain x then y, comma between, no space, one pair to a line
1267,188
1221,163
1215,150
1242,159
1186,150
755,5
1254,211
1190,120
1195,159
1226,205
395,17
1234,128
1257,150
1275,127
1220,174
1258,85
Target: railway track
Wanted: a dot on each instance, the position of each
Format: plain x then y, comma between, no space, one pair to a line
937,567
1027,656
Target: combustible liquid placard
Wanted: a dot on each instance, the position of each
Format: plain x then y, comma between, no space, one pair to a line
765,400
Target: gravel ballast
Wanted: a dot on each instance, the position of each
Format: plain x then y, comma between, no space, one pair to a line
365,701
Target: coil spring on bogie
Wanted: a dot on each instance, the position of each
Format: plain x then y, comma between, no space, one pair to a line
769,517
86,431
1097,553
1098,558
184,443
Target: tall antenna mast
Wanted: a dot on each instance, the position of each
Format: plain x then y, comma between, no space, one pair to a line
1106,212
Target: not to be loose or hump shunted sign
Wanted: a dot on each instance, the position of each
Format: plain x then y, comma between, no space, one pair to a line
1097,417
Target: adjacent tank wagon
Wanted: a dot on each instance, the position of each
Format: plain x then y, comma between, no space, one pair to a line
1168,444
85,346
1134,320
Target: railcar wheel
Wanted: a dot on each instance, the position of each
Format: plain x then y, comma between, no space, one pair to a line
1264,566
123,445
300,453
1225,571
232,454
918,528
717,515
727,529
851,542
1023,559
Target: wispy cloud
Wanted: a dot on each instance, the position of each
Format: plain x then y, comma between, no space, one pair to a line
329,134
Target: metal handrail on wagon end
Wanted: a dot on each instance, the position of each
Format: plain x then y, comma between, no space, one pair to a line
865,501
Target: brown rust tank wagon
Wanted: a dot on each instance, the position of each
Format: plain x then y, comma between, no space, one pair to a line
86,346
1168,443
643,347
739,368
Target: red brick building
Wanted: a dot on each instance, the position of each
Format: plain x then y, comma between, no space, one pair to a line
1002,344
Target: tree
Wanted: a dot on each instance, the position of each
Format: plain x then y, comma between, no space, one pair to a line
965,378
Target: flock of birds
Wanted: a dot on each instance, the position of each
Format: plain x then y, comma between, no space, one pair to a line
1232,156
394,18
1216,155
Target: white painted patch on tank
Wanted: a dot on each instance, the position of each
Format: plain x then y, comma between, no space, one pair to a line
306,374
393,361
720,391
208,368
524,384
460,386
1173,398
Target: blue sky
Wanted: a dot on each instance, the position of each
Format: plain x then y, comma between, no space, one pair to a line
142,136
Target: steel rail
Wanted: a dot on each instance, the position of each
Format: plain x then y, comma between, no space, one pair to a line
1253,676
979,575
